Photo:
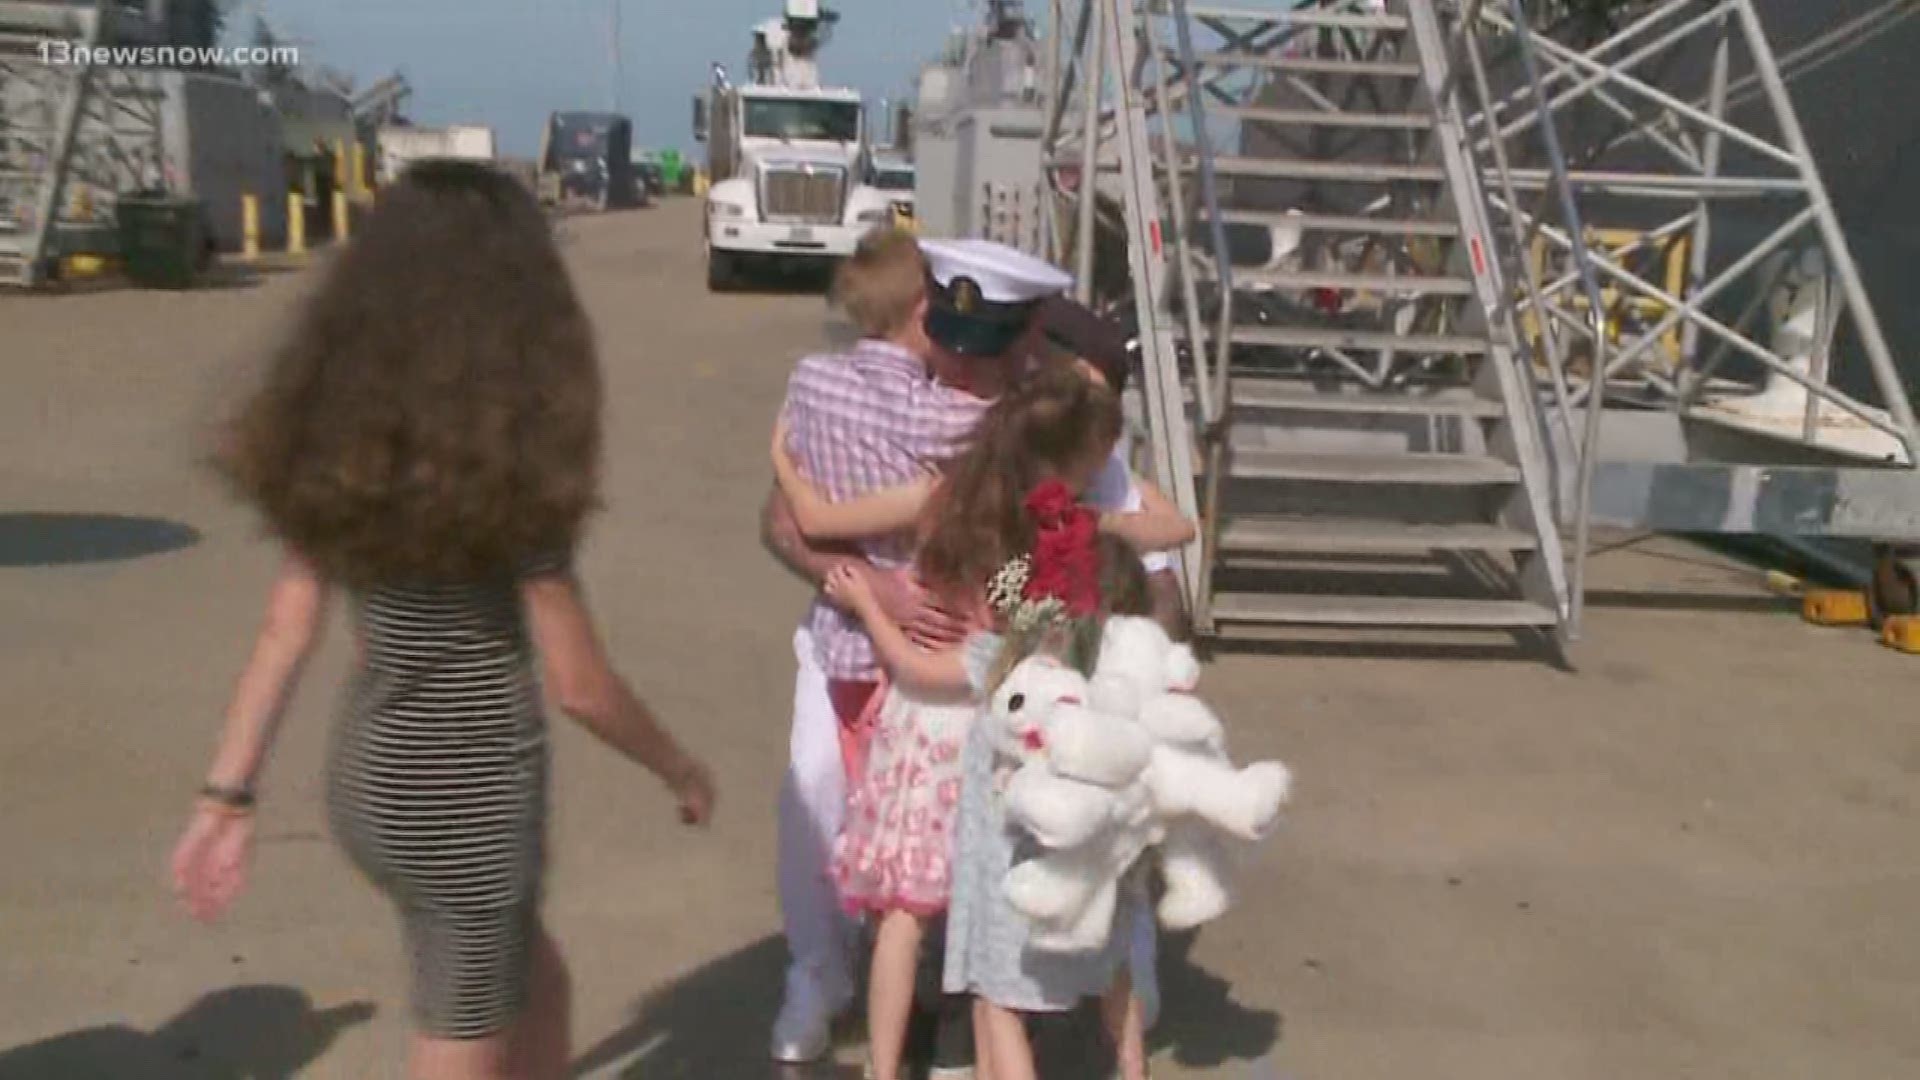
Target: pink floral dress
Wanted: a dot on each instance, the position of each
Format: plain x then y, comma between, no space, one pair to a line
895,851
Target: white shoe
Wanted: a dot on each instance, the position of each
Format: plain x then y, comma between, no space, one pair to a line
803,1032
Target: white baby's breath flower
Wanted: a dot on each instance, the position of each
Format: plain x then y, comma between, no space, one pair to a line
1007,591
1035,614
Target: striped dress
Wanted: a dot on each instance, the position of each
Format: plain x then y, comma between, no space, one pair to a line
437,788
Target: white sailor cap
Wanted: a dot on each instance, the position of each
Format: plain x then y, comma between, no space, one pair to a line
982,295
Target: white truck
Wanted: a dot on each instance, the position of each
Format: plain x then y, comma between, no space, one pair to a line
789,159
402,145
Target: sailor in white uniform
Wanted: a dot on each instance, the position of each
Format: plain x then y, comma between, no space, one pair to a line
984,306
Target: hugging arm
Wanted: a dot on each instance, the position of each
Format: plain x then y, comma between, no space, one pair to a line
781,535
878,514
900,598
1157,525
941,670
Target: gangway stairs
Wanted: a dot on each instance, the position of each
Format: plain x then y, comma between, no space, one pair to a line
1345,411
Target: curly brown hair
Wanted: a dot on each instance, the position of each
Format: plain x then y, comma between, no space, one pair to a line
1045,426
435,415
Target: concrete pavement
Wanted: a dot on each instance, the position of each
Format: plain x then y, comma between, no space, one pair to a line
1696,856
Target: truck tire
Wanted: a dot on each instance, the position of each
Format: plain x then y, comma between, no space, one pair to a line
723,271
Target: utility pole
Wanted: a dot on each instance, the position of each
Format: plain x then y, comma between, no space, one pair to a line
613,49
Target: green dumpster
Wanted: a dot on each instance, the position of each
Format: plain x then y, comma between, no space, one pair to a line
671,169
160,240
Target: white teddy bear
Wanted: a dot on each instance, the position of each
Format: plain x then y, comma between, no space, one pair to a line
1113,766
1196,792
1080,791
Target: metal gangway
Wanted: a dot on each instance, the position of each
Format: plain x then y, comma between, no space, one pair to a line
73,133
1427,289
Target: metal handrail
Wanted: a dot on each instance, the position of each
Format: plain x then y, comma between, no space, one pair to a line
1216,228
1214,429
1553,351
1176,204
1090,150
1590,284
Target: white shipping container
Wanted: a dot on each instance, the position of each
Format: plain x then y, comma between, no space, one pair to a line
402,146
471,142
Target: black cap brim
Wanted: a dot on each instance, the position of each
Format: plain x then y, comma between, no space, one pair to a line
970,335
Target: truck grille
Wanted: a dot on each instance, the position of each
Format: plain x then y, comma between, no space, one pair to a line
809,195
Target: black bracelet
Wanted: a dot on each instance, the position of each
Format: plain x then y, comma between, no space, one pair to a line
237,798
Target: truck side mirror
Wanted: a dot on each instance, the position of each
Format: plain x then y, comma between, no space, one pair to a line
700,118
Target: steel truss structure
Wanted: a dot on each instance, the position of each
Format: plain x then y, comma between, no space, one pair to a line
73,134
1468,240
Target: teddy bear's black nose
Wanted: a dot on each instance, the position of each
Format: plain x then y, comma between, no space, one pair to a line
1016,702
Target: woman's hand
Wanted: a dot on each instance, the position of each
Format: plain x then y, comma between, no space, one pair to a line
210,861
900,598
692,785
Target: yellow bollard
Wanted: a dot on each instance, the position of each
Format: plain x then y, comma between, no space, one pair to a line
1835,607
359,186
339,215
1901,632
249,227
341,179
296,224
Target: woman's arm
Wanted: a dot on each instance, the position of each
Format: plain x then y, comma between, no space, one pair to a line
878,514
296,611
1157,525
211,859
585,686
942,671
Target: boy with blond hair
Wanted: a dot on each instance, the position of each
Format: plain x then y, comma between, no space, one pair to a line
865,420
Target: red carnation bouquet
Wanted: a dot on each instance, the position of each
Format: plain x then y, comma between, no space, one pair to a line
1066,565
1056,586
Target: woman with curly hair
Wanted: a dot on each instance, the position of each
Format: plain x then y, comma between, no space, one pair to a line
427,442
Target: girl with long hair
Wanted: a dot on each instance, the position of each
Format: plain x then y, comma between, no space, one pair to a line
427,443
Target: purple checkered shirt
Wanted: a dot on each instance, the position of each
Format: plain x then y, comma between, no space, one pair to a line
860,422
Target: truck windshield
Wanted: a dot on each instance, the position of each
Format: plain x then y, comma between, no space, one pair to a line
577,137
802,118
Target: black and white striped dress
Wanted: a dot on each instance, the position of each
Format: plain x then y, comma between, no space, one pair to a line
437,790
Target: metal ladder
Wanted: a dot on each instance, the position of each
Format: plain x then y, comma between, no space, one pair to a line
41,109
1341,405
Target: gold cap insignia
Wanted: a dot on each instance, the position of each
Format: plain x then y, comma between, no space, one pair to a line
966,295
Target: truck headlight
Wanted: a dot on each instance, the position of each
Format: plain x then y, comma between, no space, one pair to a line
726,210
871,217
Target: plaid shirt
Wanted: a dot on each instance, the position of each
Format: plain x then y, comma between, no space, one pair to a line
860,422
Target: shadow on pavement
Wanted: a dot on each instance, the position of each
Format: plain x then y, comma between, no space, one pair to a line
713,1022
1201,1025
57,539
710,1023
240,1033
